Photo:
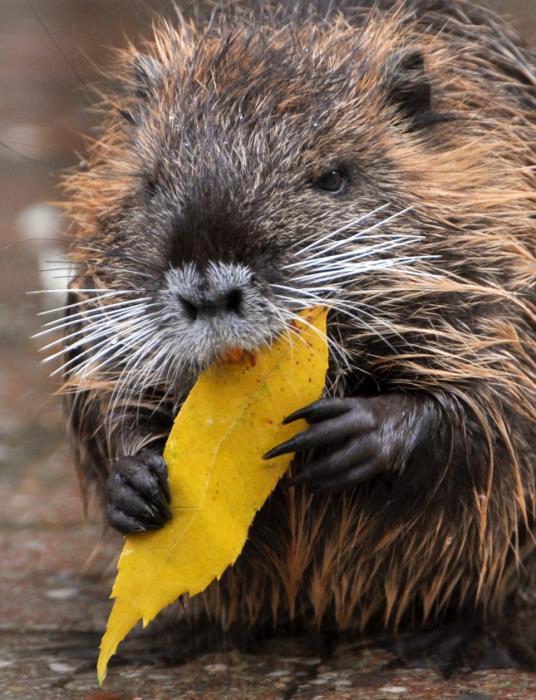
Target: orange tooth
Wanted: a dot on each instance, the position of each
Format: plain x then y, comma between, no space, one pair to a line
232,355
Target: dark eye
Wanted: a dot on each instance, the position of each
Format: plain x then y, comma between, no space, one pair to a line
333,181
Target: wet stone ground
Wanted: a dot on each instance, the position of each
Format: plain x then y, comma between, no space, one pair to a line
56,568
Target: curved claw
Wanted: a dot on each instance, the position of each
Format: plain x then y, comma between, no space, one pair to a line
349,457
158,468
123,523
132,501
320,410
138,493
360,438
345,420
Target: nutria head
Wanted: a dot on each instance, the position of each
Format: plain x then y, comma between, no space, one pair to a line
268,163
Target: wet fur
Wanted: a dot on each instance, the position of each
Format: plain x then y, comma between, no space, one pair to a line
457,325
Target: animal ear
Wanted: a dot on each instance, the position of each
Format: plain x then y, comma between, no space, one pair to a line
147,74
408,85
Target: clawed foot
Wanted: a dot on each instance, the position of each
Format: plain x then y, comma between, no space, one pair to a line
138,493
355,439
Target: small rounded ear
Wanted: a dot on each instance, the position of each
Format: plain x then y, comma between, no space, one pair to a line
408,85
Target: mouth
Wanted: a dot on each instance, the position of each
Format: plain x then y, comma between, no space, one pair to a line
229,337
232,355
221,311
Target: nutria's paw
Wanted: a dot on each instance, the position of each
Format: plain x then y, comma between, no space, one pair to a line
138,493
355,439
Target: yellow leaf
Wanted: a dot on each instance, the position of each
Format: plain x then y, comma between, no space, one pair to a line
217,477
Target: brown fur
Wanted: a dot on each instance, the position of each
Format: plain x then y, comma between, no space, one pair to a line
412,547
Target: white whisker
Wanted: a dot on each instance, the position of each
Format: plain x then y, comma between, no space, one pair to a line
91,300
101,323
101,312
357,269
347,226
363,252
309,289
109,358
85,291
110,338
359,234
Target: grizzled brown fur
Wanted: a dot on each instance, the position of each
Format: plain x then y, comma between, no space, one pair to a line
210,144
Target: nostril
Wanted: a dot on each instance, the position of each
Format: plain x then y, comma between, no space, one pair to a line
230,302
190,308
233,300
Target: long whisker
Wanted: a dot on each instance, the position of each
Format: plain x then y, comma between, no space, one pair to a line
91,300
145,331
105,342
359,268
360,234
145,334
101,322
89,315
98,364
366,251
98,311
347,226
86,291
110,321
97,332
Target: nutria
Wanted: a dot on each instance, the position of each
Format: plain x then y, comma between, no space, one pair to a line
379,160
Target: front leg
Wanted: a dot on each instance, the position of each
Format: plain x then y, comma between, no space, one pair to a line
137,492
359,438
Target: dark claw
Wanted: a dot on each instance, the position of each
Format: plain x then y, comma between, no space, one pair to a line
345,425
312,437
359,438
349,457
141,474
283,448
122,522
138,493
159,469
320,410
130,501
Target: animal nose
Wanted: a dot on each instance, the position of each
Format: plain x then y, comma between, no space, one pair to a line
227,303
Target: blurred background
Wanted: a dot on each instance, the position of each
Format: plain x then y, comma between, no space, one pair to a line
50,570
